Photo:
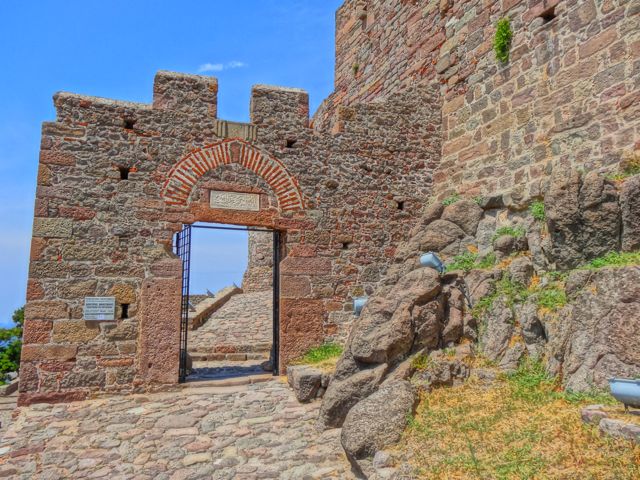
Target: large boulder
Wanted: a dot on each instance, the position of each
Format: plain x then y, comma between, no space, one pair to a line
464,213
630,206
307,382
377,421
342,395
583,218
602,335
385,332
438,235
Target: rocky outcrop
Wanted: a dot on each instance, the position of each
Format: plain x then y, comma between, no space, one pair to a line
584,326
602,325
377,421
342,395
583,218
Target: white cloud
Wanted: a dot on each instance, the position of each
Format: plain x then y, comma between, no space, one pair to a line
219,67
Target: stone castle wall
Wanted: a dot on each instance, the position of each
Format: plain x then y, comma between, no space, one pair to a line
259,274
117,180
568,95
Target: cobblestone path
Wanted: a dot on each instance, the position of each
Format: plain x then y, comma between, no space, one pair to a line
241,326
257,431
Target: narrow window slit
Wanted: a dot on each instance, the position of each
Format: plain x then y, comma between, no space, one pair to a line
124,173
400,205
346,245
125,311
291,142
129,123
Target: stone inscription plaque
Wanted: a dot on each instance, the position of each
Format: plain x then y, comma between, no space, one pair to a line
235,200
99,308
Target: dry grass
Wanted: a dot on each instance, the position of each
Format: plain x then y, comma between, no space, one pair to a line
517,428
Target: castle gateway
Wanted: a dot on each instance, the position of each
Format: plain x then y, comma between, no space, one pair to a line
117,181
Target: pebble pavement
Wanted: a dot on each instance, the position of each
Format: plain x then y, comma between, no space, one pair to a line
256,431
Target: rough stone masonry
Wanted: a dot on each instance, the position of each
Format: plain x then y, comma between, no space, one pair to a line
421,108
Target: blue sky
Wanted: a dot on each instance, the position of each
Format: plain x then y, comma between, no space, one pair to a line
113,49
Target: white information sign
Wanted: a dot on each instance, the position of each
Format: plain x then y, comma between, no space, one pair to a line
235,200
99,308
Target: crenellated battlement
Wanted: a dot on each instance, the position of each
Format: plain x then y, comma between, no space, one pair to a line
194,97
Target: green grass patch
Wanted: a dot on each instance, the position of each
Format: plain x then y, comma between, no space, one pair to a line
469,261
552,297
615,259
514,293
516,232
421,362
537,211
531,383
451,199
321,354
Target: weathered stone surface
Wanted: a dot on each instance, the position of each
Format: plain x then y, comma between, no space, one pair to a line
521,270
601,334
53,227
306,382
620,429
583,217
342,395
438,235
378,421
464,213
592,414
630,206
498,331
533,332
384,331
441,372
75,331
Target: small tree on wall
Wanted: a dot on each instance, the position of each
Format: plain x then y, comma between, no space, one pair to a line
11,345
502,40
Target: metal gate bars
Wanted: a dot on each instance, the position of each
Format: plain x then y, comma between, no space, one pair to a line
182,249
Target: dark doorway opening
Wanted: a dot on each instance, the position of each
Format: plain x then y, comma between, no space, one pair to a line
182,248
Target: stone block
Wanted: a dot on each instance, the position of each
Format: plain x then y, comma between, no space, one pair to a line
46,310
295,286
34,353
37,331
75,331
52,227
305,266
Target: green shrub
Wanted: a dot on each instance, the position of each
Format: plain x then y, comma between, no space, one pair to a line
321,353
615,259
517,232
537,210
514,293
451,199
11,345
487,261
530,382
502,40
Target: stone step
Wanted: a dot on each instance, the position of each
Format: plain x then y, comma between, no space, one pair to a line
230,357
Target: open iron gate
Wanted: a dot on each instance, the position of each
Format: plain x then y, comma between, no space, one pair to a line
182,248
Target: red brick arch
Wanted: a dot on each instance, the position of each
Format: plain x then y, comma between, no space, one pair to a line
184,175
